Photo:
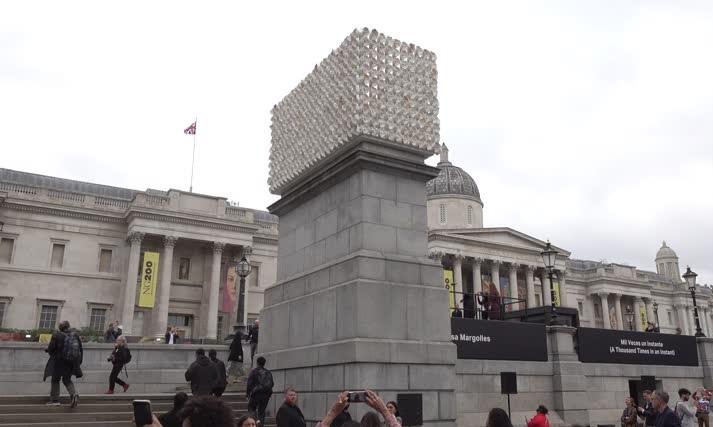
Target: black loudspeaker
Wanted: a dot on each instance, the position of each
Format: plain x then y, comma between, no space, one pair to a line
410,408
648,382
508,383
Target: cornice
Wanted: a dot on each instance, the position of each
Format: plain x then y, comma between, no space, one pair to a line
438,237
97,276
265,241
188,221
64,212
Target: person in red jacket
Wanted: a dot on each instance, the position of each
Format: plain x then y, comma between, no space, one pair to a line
540,420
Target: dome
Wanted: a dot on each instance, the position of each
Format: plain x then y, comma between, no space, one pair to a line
665,252
452,181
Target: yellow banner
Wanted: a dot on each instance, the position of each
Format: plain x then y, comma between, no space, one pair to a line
45,338
448,281
644,318
149,277
556,285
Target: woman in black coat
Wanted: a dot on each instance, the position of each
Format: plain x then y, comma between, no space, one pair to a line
119,357
236,357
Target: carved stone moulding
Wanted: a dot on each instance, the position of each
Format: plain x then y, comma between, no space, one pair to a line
371,85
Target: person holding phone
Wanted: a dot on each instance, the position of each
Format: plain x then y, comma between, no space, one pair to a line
119,357
370,419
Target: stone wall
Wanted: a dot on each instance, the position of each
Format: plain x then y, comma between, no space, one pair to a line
154,368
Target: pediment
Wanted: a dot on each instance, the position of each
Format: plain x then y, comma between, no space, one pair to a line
500,236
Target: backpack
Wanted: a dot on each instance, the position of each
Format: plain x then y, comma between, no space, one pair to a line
264,381
72,349
128,356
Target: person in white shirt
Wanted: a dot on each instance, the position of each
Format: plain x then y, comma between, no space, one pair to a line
685,409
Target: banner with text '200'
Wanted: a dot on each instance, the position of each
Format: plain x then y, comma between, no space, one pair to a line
149,278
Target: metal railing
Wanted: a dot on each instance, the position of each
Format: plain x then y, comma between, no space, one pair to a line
484,306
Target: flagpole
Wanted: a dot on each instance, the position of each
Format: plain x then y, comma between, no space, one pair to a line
193,162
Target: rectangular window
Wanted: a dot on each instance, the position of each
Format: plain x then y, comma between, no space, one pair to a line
105,260
57,255
6,246
48,317
470,215
580,307
443,214
255,279
184,269
3,308
670,319
97,319
219,333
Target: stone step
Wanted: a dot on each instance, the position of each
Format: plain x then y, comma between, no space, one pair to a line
86,407
118,397
72,417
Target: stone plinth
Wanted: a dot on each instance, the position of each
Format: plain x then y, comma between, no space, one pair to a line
357,303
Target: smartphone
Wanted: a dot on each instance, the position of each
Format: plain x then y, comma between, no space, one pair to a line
356,397
142,413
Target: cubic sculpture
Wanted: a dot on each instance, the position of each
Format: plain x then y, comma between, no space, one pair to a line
355,302
371,85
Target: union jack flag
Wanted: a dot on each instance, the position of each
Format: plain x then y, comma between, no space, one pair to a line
190,130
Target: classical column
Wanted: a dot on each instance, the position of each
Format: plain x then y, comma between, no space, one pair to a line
605,310
212,321
703,319
637,314
563,288
513,286
617,308
690,329
458,276
592,312
495,274
530,281
477,276
164,286
680,317
650,316
127,311
546,292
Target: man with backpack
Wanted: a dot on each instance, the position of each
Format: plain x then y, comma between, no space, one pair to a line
65,350
259,390
118,358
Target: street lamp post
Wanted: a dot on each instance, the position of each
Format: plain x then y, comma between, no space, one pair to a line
549,256
656,313
243,269
690,278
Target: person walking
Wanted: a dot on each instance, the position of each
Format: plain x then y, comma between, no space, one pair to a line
236,357
540,419
665,416
628,417
253,338
171,336
703,408
685,410
202,374
259,390
66,353
289,414
219,388
120,356
648,412
171,418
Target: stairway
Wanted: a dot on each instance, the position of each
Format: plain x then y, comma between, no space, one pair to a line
95,410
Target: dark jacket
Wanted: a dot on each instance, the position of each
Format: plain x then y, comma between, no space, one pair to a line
222,378
253,334
468,306
109,335
667,418
56,366
176,338
236,348
254,387
649,414
203,376
341,419
120,356
170,419
290,416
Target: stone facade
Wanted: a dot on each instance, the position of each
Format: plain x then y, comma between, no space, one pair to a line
73,250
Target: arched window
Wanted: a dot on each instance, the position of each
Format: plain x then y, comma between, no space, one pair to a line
443,214
470,215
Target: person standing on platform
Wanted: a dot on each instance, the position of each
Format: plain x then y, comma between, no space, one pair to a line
172,335
289,414
202,374
109,334
648,412
220,366
66,353
253,338
119,357
259,389
468,306
665,416
235,357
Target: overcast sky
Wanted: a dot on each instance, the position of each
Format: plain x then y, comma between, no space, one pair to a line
588,123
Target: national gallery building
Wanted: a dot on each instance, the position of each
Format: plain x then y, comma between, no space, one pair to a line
68,247
92,254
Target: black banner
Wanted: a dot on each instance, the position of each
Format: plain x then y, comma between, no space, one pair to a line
497,340
636,348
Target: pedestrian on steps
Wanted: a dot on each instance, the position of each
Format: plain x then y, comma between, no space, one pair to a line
236,357
259,390
171,418
253,335
120,356
65,350
202,374
219,388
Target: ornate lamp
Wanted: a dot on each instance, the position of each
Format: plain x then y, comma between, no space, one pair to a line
690,278
243,268
549,256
